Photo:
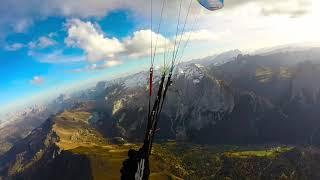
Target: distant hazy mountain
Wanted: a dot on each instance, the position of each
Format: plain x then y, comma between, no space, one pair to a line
217,59
286,48
17,125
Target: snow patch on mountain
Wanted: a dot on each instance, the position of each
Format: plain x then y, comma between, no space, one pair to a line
191,71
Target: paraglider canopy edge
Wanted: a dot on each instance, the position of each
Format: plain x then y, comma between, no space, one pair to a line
212,5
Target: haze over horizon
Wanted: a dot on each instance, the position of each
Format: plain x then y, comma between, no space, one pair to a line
50,45
159,89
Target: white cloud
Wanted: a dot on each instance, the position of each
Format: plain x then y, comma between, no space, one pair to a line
46,42
42,42
100,8
52,35
37,80
17,15
22,25
104,65
100,66
112,63
139,44
90,38
96,45
92,67
292,8
14,47
204,35
56,57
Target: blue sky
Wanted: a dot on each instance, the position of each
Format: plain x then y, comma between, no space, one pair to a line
49,45
18,69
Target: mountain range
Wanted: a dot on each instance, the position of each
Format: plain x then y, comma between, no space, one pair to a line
267,103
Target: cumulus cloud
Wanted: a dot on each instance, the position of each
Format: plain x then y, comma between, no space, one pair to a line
100,8
37,80
96,45
139,44
17,15
81,8
88,37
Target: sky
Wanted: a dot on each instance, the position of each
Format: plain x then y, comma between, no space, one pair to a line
48,46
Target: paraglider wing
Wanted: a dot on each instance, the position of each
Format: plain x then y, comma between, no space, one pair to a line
212,5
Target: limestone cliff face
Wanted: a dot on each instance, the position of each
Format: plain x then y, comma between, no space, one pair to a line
195,100
306,83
